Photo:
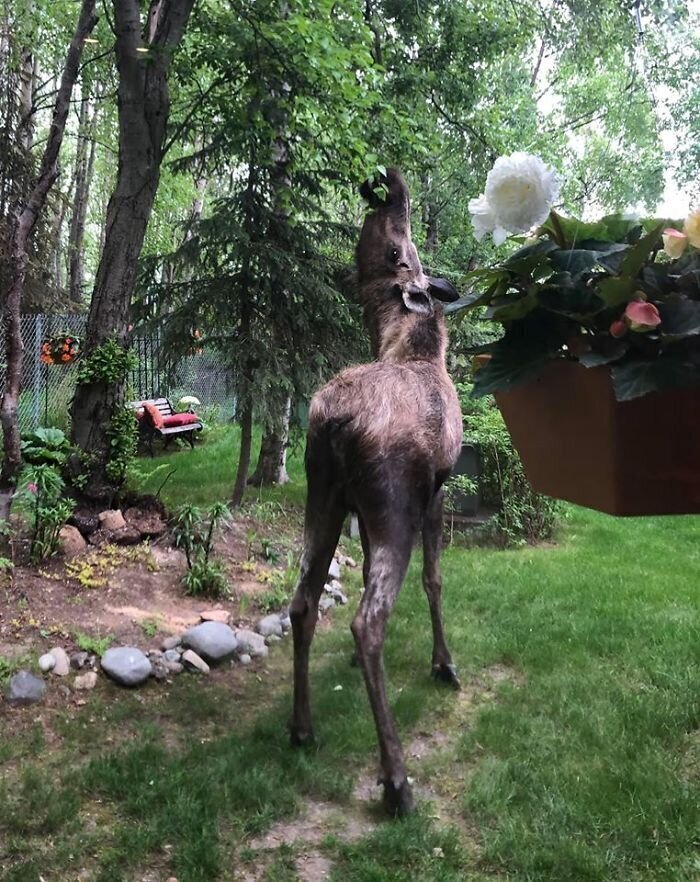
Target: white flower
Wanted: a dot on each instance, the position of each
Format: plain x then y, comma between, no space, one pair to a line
189,399
520,190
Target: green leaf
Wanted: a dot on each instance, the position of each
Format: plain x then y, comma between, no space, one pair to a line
615,291
680,318
632,379
637,255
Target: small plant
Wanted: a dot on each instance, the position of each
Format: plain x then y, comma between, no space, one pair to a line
194,532
41,498
150,627
282,586
269,552
45,446
93,645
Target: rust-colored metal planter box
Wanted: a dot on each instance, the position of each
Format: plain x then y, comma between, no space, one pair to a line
577,442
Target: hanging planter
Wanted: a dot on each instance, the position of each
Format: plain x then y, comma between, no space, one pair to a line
579,443
61,349
597,373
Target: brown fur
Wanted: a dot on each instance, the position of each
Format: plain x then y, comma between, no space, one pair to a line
382,439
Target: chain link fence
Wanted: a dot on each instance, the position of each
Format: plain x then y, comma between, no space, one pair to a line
47,389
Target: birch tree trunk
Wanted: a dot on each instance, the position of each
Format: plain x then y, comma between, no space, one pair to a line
84,165
144,105
23,224
272,460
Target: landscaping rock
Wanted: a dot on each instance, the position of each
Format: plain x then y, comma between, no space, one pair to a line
160,669
174,667
25,688
86,521
215,615
85,681
79,660
149,523
47,662
70,541
273,638
334,570
192,662
172,655
213,641
326,603
111,520
245,659
346,561
270,625
171,642
126,665
62,666
334,590
128,535
285,621
250,643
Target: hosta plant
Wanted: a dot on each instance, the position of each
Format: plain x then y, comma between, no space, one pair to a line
619,292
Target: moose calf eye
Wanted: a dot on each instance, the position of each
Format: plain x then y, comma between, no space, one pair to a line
394,254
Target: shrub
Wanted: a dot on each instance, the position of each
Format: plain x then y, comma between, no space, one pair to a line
45,445
194,532
521,514
41,498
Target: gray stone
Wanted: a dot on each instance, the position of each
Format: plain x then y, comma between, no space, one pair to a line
285,621
154,654
245,659
174,667
334,570
62,666
325,603
192,662
273,638
126,665
334,590
47,662
213,641
250,643
79,660
85,681
172,655
160,668
171,642
270,625
25,688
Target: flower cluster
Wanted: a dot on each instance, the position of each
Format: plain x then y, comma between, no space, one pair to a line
62,349
618,292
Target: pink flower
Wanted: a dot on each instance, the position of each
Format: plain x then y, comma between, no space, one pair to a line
618,328
32,487
642,316
674,242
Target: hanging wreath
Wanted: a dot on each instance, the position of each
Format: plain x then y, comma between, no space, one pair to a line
62,349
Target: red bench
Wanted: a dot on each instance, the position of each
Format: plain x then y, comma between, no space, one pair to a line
157,419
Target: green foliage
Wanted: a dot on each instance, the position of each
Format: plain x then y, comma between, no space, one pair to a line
568,295
123,441
45,445
42,499
521,514
94,645
109,363
194,531
281,588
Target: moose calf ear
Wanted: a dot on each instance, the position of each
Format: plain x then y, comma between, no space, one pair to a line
418,300
442,289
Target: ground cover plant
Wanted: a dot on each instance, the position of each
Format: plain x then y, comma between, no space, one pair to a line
572,753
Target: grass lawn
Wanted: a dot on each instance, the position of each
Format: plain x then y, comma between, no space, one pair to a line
578,762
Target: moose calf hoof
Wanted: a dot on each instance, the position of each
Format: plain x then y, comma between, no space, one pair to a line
446,674
301,737
398,801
